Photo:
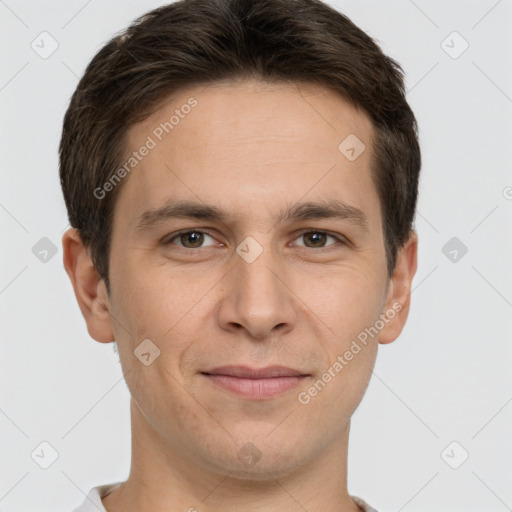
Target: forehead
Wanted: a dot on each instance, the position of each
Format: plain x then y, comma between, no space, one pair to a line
250,147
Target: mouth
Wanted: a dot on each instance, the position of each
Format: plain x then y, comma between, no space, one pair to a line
256,383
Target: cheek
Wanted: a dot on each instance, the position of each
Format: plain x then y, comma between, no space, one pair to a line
336,391
153,304
349,305
169,411
151,301
346,301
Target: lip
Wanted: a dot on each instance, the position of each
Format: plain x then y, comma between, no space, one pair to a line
246,372
255,383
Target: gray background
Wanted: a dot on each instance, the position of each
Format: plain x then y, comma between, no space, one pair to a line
446,379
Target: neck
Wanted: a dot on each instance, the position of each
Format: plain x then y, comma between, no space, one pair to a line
163,478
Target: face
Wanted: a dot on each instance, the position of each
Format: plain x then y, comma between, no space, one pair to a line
250,276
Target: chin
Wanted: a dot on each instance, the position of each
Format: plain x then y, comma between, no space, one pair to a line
260,462
262,471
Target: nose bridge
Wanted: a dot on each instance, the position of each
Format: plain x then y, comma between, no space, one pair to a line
257,279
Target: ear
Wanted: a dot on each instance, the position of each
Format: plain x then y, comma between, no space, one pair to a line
399,291
90,291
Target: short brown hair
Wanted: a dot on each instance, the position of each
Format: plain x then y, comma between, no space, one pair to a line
193,42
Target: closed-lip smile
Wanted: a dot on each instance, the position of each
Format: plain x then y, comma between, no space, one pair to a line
255,383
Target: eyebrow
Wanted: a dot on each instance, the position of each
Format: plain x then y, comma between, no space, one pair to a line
184,209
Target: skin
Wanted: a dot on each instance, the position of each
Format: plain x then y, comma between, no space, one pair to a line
252,149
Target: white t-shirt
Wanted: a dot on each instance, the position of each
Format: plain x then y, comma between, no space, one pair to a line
93,502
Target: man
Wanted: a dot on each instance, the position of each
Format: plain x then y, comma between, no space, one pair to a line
241,178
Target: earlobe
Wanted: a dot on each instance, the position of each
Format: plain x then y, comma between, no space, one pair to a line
89,288
398,299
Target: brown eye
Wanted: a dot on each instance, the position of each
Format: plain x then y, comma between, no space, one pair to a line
194,238
189,239
317,239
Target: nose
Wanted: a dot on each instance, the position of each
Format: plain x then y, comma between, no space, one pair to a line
257,299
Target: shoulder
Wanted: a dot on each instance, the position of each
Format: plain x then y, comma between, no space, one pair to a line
362,504
92,502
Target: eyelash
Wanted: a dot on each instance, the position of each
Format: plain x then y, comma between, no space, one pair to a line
168,241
